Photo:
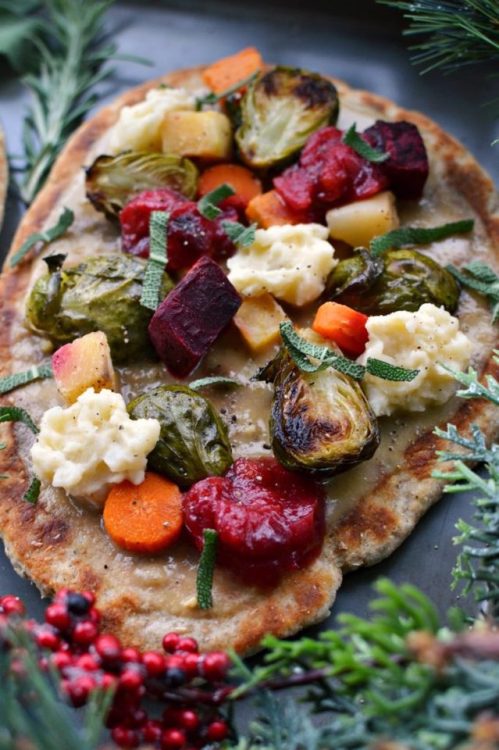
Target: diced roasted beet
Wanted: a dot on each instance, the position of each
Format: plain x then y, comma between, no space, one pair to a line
407,168
329,173
190,235
193,316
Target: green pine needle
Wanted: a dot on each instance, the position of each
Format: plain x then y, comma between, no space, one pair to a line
49,235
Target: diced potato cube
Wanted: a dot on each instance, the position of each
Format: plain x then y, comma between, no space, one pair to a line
359,222
205,135
258,321
85,363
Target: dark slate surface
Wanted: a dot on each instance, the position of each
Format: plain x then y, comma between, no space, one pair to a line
359,42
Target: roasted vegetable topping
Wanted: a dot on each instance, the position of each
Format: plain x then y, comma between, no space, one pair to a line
193,442
101,294
321,423
343,325
85,363
268,520
186,324
190,235
202,135
399,280
407,166
245,184
280,110
227,72
112,181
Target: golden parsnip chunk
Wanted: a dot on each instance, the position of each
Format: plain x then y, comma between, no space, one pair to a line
205,135
258,321
359,222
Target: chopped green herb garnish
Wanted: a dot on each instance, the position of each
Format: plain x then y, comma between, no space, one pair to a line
33,491
301,350
16,414
361,147
156,264
49,235
418,235
213,98
387,371
481,278
208,204
37,372
206,567
213,380
239,234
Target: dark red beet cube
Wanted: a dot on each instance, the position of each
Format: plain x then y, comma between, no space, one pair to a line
193,316
407,168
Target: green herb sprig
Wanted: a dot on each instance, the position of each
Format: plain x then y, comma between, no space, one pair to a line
239,234
301,351
208,204
212,98
16,414
18,379
214,381
418,235
206,568
360,146
49,235
33,492
156,264
481,278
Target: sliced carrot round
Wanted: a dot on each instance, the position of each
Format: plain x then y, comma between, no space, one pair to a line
242,180
144,517
343,325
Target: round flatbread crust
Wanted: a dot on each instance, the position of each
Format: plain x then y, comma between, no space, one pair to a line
4,175
56,546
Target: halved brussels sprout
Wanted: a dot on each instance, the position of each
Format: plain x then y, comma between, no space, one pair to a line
279,111
112,181
100,294
398,280
321,423
193,442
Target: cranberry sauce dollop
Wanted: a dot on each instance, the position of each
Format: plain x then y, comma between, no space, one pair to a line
189,236
269,520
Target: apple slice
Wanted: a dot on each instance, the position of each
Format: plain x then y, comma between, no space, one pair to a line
85,363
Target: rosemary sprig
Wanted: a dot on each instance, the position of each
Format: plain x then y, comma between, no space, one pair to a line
73,61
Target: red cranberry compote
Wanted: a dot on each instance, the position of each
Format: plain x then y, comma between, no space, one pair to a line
190,235
269,520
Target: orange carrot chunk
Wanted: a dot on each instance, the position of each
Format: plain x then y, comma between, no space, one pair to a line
228,71
344,326
145,518
269,210
244,183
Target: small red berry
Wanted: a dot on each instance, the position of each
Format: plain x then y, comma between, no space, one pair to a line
43,663
174,661
138,718
125,737
173,739
109,648
84,633
61,595
58,616
61,660
189,720
151,731
131,655
170,642
94,616
191,664
12,605
108,681
45,637
217,731
130,680
88,662
188,644
154,662
78,690
89,596
215,665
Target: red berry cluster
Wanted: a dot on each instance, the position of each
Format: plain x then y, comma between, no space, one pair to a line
179,678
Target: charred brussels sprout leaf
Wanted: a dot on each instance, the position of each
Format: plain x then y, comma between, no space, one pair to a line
112,181
321,423
279,111
193,442
101,294
399,280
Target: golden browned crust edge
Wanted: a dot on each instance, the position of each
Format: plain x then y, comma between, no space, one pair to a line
382,519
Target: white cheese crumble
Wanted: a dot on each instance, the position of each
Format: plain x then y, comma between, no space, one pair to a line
92,445
423,340
139,127
292,262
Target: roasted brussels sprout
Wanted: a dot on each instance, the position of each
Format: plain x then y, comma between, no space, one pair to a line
112,181
193,442
100,294
321,423
398,280
279,111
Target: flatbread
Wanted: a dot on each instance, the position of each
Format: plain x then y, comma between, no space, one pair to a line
372,508
4,175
